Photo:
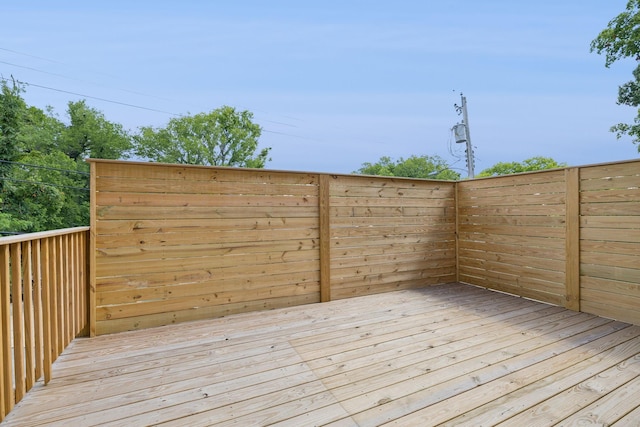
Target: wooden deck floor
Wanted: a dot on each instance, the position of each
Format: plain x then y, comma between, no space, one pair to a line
446,355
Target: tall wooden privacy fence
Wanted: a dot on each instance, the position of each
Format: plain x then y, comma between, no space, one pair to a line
569,237
175,243
43,305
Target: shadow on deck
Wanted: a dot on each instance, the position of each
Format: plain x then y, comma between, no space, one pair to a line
444,355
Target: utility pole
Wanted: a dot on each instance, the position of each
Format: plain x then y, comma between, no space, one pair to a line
467,137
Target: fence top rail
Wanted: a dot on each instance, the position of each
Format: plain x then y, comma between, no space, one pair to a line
8,240
279,171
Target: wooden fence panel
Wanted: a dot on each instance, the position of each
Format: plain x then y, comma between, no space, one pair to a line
512,234
389,234
176,243
610,240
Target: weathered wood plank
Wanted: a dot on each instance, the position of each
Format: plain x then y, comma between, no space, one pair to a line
516,199
214,188
610,208
557,232
610,182
576,392
532,190
447,354
548,399
204,301
514,180
364,202
436,404
533,241
181,172
137,213
204,200
627,195
546,221
376,191
610,272
531,210
18,321
7,395
607,171
491,254
203,225
392,212
195,238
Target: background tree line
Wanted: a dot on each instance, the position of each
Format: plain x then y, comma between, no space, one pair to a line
44,178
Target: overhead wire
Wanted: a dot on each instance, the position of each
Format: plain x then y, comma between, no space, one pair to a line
92,97
26,181
138,106
142,94
45,167
120,89
86,174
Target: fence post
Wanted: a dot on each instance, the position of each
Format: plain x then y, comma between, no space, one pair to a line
572,239
325,238
91,253
456,188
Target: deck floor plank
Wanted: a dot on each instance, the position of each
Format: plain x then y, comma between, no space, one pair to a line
444,355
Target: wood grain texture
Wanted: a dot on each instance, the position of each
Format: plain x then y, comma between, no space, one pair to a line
452,355
41,284
513,234
610,240
174,239
390,234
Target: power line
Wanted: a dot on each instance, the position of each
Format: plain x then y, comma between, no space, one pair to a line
95,97
143,108
26,181
123,90
31,56
83,81
45,167
153,109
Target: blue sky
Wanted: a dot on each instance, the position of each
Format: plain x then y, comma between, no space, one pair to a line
335,84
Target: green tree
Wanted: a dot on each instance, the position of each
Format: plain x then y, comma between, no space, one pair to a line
12,111
621,39
43,176
432,167
528,165
223,137
40,131
91,135
45,192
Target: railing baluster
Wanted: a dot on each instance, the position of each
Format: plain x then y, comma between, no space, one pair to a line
6,375
37,306
29,338
60,296
18,320
47,323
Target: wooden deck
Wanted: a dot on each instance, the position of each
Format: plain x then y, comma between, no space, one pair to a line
445,355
